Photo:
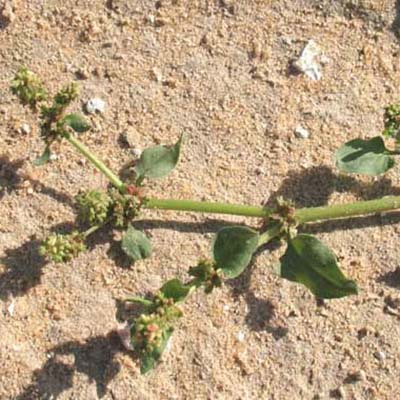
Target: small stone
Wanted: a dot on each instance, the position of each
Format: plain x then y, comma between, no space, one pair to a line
82,73
7,12
25,129
259,171
136,152
301,133
358,376
240,336
95,105
53,157
156,75
11,308
380,355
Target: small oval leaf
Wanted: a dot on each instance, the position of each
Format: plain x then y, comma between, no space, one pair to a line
233,248
44,158
158,161
176,290
77,122
310,262
368,157
136,244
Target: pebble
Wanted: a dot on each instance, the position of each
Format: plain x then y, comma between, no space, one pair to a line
53,157
380,355
95,105
136,152
301,133
7,12
25,129
156,75
11,308
358,376
260,171
240,336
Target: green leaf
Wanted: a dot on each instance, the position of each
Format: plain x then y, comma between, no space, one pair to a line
44,158
150,359
233,248
176,290
158,161
364,157
310,262
77,122
136,244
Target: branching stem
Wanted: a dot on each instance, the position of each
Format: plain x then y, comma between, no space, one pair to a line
303,215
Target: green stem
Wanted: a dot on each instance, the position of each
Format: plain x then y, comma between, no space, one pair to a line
303,215
273,231
206,207
313,214
95,161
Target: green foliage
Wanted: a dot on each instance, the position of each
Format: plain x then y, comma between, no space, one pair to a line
126,207
157,161
233,248
310,262
44,158
392,121
206,274
28,88
368,157
151,331
77,122
175,290
62,248
136,244
93,206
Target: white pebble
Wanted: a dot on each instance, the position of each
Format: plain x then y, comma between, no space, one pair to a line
380,355
11,308
53,157
301,132
240,336
25,128
95,105
136,152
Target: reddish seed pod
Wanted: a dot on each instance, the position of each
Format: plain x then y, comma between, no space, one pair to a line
152,327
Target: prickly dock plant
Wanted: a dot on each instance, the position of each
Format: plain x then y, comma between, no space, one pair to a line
306,261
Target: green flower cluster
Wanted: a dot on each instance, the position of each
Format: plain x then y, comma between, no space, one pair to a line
53,126
28,88
62,248
207,275
93,206
126,207
392,121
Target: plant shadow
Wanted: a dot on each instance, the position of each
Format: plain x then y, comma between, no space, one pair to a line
24,265
11,180
395,28
314,186
95,358
261,312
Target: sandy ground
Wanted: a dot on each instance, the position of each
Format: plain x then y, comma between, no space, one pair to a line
218,70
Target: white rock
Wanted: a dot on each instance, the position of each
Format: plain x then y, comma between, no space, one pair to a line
240,336
307,63
25,129
53,157
124,333
95,105
136,152
11,308
380,355
301,132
